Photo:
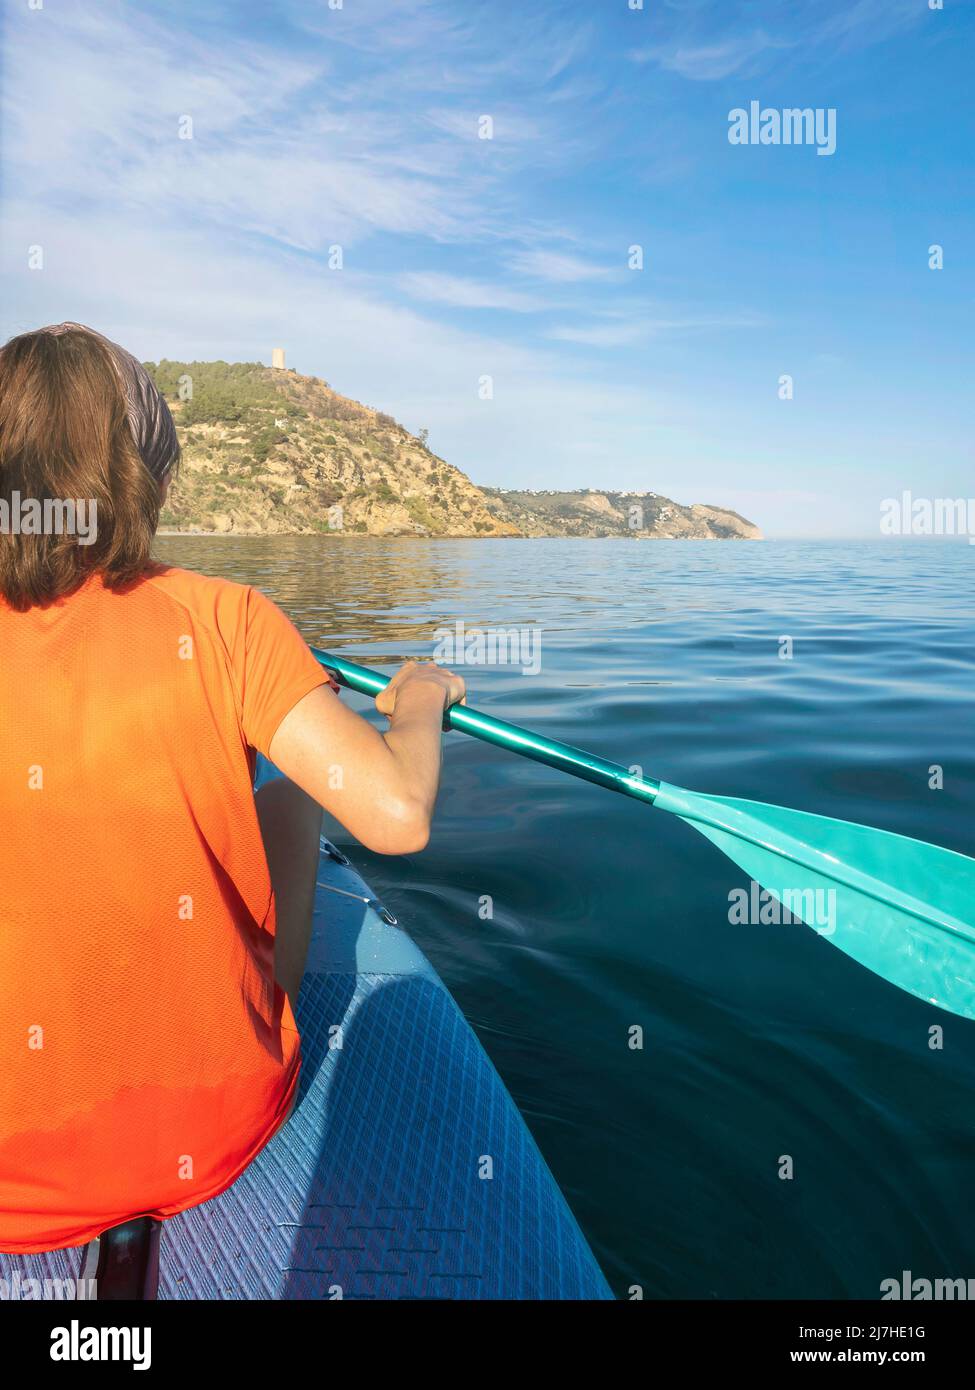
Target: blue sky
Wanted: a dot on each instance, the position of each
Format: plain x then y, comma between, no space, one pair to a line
466,258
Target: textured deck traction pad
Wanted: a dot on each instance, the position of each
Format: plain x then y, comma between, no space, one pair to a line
376,1188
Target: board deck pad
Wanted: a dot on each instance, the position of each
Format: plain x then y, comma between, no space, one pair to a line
378,1186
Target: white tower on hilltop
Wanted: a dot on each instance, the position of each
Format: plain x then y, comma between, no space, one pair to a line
277,358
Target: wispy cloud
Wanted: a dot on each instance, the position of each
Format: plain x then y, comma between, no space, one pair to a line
273,149
557,266
703,43
865,22
711,61
622,330
459,292
609,335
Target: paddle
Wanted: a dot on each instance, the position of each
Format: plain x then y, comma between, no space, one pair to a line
902,908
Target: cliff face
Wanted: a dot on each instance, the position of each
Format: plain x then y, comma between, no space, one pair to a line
266,451
644,515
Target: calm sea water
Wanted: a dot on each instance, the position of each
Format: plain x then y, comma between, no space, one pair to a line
759,1042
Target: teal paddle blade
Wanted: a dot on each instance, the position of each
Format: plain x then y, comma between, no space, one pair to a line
902,908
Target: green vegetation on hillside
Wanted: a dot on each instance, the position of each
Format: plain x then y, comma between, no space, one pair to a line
211,392
267,450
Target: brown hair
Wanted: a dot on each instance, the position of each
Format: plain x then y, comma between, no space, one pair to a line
80,419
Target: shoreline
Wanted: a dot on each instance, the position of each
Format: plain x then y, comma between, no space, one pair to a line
413,536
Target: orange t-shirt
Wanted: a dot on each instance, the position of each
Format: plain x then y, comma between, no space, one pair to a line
146,1052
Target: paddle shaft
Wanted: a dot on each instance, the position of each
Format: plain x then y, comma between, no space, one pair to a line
901,907
563,756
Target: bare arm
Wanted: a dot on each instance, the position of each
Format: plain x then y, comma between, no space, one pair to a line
382,787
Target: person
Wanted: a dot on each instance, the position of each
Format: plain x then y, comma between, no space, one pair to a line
156,911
